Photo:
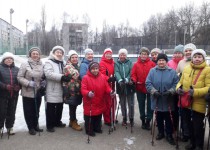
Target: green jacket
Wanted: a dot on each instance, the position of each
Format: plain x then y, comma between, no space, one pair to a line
123,73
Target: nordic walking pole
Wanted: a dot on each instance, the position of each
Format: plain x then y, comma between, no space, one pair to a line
37,116
89,124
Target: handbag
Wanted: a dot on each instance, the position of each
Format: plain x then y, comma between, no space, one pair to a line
185,100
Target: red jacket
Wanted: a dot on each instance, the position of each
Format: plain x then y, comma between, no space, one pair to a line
139,73
99,85
107,67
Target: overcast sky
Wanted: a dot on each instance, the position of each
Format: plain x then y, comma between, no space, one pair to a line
113,11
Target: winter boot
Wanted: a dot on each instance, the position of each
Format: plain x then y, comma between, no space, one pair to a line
160,136
190,147
124,123
74,125
10,131
38,129
147,125
131,122
32,132
170,139
143,126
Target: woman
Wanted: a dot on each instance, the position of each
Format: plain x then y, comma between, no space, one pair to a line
107,69
154,53
196,81
9,91
139,76
93,102
161,83
85,62
72,93
124,88
177,56
30,76
53,70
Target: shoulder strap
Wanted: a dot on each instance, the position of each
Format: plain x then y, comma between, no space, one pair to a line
197,76
30,65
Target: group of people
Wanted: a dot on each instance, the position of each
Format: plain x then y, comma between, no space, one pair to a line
158,83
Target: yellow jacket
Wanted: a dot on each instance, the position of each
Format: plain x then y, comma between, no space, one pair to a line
201,87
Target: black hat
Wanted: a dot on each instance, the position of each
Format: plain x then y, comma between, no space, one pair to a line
162,56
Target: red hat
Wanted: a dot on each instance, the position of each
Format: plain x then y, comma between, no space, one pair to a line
107,50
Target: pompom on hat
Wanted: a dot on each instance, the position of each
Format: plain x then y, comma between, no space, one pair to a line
72,52
199,51
162,56
124,51
189,46
7,55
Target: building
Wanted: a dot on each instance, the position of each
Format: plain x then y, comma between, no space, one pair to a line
74,36
17,37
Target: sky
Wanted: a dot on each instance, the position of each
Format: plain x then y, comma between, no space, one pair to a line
113,11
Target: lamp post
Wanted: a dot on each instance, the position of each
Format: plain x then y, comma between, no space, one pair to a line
27,34
185,31
175,37
156,38
11,31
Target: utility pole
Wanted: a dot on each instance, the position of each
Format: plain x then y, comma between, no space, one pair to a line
27,34
11,31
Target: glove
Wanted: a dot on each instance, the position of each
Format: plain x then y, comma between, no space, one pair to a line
91,94
167,93
32,84
112,79
125,80
191,91
112,94
65,78
156,94
9,87
16,88
180,91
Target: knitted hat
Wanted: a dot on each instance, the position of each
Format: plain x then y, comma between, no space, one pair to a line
93,65
72,52
88,50
199,51
107,50
162,56
156,50
58,48
34,49
179,48
144,49
190,46
123,51
7,55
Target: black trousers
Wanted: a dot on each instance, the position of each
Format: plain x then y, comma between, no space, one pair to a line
53,114
72,112
92,123
7,111
195,127
31,107
165,116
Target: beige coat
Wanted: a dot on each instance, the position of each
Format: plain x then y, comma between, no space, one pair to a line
26,74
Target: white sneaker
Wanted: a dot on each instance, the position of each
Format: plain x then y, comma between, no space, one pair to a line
10,131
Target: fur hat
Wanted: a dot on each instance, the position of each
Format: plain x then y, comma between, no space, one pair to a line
88,50
144,49
34,49
7,55
123,51
190,46
179,48
92,65
162,56
107,50
200,51
156,50
72,52
58,48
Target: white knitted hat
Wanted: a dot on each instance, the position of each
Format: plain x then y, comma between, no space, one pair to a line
200,51
72,52
7,55
157,50
88,50
190,46
123,51
58,48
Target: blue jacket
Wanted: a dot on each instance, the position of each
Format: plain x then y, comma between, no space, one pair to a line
84,67
162,80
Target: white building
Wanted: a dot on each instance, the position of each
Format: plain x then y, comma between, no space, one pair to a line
17,37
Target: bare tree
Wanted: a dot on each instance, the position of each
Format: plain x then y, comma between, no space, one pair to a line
43,22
